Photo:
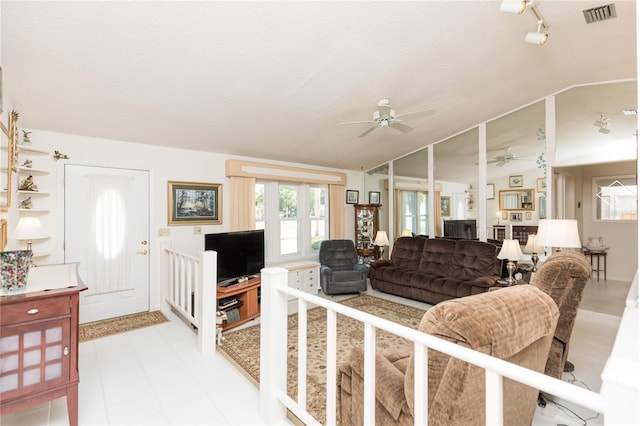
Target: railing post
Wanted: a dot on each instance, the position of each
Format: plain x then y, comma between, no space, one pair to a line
164,274
206,286
273,345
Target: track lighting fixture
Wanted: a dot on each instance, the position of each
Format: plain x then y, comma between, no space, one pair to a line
537,37
603,123
517,6
514,6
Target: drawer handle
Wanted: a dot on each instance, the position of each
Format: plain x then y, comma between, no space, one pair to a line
33,311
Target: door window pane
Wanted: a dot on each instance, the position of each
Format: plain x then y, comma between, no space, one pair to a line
616,198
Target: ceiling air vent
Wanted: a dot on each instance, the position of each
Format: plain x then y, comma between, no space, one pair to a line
600,13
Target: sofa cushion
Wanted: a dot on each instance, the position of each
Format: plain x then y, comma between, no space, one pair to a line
473,259
437,258
407,252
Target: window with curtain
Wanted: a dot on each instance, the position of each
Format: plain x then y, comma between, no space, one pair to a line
414,211
615,198
297,223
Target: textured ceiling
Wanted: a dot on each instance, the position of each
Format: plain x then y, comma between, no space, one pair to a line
272,79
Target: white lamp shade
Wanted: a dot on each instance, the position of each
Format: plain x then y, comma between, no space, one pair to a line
381,239
561,233
536,38
513,6
29,228
532,245
510,250
406,233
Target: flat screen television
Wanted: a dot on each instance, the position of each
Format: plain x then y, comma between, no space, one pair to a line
462,228
240,254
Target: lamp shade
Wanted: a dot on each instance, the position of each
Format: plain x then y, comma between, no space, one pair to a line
532,245
406,233
381,239
510,250
29,228
513,6
560,233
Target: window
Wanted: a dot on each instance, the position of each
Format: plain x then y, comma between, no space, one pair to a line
295,226
414,211
615,198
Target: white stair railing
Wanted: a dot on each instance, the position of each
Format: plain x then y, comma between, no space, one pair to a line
624,397
189,289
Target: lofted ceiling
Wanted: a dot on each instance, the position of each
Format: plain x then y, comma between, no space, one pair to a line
272,80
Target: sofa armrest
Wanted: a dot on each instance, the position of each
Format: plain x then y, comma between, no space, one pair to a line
380,262
325,270
487,281
389,382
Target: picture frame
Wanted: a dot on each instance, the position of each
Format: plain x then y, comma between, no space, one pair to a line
445,206
374,197
541,185
527,215
491,191
194,203
352,196
515,181
505,215
515,217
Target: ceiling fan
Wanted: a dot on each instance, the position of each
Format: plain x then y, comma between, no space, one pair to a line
385,116
505,158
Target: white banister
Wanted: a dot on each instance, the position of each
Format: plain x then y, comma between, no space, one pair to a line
273,374
206,301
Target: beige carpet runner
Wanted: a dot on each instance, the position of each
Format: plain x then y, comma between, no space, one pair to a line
242,347
95,330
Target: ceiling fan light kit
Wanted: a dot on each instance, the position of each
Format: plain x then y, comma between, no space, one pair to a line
385,116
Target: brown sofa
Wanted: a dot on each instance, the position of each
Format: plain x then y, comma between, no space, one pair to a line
515,324
434,270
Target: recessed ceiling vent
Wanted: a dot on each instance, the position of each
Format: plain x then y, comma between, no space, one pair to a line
600,13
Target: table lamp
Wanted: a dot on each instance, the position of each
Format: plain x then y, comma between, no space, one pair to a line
558,233
407,233
511,251
381,241
29,228
534,248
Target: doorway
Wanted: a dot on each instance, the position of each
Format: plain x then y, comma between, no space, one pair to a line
106,231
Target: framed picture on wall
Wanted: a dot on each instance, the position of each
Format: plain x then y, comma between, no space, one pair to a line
191,203
515,181
516,217
491,191
445,206
374,197
352,196
541,185
527,215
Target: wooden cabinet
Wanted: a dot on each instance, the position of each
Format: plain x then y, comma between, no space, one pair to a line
39,349
247,301
366,217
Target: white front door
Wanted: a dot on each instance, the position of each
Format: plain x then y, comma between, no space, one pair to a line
106,231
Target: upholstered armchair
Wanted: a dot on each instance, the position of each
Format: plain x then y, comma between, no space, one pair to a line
563,276
340,271
515,324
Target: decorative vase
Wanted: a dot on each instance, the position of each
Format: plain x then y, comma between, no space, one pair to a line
14,270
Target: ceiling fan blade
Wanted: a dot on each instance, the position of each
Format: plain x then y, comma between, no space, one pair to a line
356,122
417,113
401,127
366,132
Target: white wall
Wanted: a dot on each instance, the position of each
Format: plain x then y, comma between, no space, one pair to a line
164,164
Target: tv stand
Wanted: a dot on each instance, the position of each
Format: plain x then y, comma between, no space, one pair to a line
247,294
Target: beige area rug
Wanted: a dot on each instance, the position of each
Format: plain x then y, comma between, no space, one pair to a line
242,347
95,330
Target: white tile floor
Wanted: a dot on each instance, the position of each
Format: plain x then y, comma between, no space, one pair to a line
156,376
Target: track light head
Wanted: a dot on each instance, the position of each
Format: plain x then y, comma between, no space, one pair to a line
537,37
514,6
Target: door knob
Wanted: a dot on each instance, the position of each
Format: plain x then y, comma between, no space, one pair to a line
143,252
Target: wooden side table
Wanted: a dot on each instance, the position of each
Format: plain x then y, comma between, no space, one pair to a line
597,253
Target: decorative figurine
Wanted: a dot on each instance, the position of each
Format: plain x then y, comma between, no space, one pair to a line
28,185
26,203
57,155
25,138
27,164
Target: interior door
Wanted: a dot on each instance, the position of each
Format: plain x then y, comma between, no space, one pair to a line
106,231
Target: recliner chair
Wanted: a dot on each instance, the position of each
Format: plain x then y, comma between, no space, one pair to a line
340,271
563,276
